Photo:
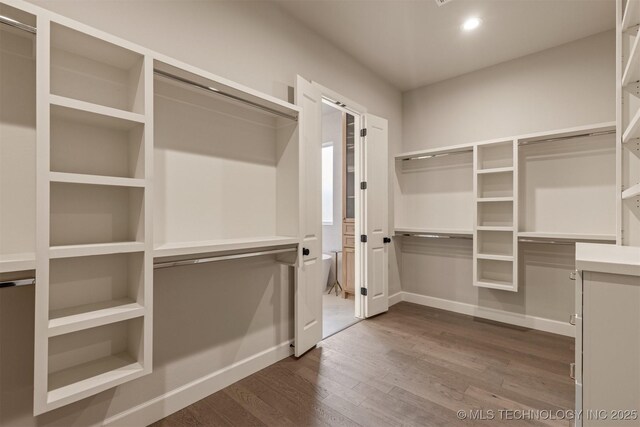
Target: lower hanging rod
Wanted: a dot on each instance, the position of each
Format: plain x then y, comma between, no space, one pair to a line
220,258
17,24
21,282
225,94
549,242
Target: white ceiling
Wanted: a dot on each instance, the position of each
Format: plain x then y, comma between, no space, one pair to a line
411,43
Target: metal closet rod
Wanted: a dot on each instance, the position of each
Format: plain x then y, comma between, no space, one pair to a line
21,282
563,138
220,258
437,236
430,156
17,24
225,94
549,242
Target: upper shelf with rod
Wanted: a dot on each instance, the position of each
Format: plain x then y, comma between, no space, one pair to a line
435,152
198,80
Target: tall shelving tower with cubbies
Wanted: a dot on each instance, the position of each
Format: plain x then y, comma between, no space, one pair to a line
628,119
94,246
495,242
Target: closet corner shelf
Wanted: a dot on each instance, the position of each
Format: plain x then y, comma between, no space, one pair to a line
494,170
71,251
221,245
76,178
633,129
494,199
101,110
399,231
631,192
10,263
631,11
495,257
575,237
93,315
98,375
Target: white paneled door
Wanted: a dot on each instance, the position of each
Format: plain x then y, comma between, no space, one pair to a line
376,216
308,293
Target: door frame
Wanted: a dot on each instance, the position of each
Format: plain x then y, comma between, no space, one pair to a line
351,107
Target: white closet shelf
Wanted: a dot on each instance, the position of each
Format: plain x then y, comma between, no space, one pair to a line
17,262
492,228
443,231
85,380
495,199
494,170
88,107
631,13
67,109
567,236
87,316
70,251
495,284
221,245
632,70
631,192
76,178
495,257
633,129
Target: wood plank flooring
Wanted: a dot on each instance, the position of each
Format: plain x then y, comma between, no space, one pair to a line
414,366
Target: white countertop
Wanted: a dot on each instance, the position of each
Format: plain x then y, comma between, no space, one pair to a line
608,258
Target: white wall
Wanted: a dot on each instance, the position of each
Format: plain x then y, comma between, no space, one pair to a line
570,85
211,317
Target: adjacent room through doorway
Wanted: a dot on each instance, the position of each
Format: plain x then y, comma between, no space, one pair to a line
338,218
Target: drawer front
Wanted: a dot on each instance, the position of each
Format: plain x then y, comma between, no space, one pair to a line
349,241
348,229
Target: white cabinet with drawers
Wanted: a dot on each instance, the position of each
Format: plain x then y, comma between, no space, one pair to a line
607,365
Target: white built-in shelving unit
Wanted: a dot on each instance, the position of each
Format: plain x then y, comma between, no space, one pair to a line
628,113
434,193
116,156
94,257
547,187
495,240
567,185
226,173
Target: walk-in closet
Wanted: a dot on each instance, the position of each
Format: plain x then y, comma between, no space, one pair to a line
300,213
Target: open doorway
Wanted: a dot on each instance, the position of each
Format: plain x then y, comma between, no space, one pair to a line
340,133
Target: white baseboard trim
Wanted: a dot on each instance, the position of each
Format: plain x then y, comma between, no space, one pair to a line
181,397
395,298
523,320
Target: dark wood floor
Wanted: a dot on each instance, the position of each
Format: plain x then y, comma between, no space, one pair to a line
411,366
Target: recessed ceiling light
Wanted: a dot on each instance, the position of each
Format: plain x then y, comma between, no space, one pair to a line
471,24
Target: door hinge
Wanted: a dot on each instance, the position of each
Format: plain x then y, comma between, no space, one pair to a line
363,291
363,238
363,132
363,185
